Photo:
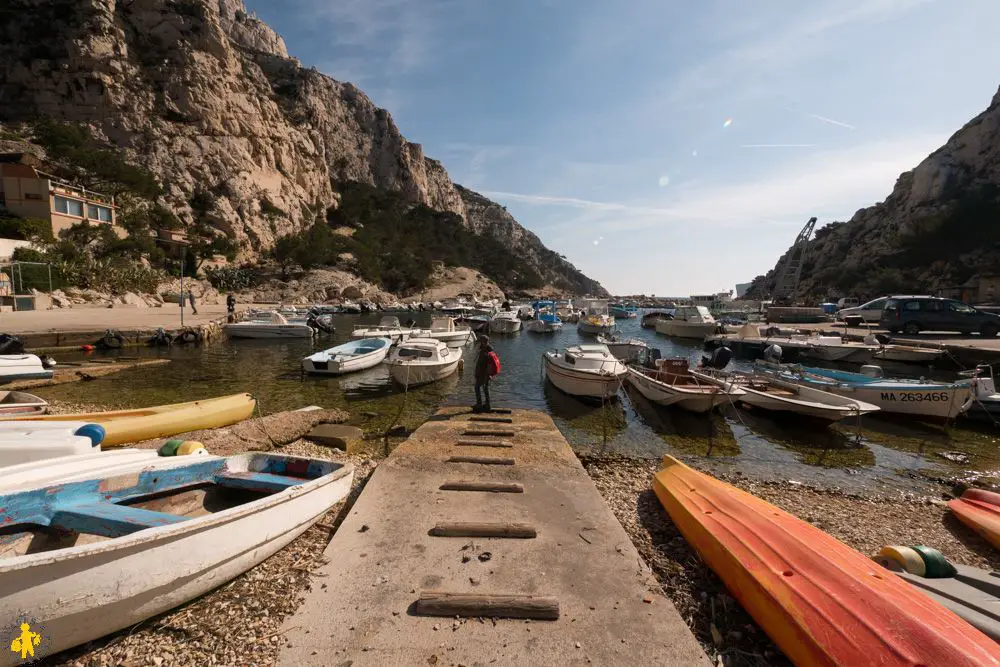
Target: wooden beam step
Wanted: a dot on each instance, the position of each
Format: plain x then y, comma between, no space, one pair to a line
482,431
484,443
492,487
483,529
492,420
440,603
485,460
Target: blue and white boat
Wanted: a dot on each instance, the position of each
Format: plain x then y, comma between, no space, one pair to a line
84,558
623,311
920,398
355,355
545,320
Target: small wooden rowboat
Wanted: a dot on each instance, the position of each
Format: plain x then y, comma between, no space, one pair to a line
162,421
86,558
21,403
821,602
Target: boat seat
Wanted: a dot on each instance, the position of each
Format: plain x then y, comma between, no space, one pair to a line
109,520
257,481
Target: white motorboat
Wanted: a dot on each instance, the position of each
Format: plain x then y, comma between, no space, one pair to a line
672,383
276,326
922,398
590,371
505,322
776,395
545,319
595,319
106,552
445,329
423,360
984,401
388,327
688,322
355,355
22,403
625,349
22,367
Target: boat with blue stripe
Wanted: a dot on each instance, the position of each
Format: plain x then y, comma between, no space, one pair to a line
624,311
546,320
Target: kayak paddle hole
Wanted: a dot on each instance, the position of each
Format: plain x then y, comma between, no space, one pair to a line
787,573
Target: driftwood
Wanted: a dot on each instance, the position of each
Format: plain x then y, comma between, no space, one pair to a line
439,603
477,529
494,487
485,460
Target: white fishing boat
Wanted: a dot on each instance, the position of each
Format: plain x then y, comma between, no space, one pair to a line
276,326
672,383
22,403
388,327
595,319
590,371
688,322
423,360
625,349
545,319
24,442
776,395
22,367
146,542
505,322
355,355
445,329
918,397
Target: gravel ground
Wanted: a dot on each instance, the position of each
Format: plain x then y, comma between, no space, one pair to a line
728,633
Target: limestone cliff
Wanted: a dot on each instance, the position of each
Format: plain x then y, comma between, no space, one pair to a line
204,94
935,230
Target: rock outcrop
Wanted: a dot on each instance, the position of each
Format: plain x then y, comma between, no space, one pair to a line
934,231
204,95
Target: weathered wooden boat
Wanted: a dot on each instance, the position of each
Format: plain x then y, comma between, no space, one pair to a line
24,442
979,510
423,360
161,421
77,466
22,367
672,383
21,403
777,395
588,371
820,601
90,557
349,357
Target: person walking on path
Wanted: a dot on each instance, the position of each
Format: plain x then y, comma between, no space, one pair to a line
194,309
231,307
487,366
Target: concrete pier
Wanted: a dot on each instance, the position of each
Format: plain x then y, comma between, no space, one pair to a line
485,554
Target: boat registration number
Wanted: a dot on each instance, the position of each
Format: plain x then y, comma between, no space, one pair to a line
915,396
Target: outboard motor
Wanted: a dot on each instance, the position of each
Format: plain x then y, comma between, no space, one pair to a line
320,323
772,353
718,359
11,344
652,355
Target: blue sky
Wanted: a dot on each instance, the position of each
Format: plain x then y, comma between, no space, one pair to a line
663,147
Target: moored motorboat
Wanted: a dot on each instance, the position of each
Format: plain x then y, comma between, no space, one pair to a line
625,349
984,400
422,360
650,319
589,371
777,395
595,319
672,383
276,326
688,322
623,311
477,323
445,329
22,367
820,601
160,421
21,403
148,541
505,322
355,355
545,319
388,327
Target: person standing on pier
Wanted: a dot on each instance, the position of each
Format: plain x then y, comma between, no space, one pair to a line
487,367
194,308
231,307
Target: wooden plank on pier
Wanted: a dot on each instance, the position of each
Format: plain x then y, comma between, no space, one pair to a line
483,529
480,431
493,420
484,443
492,487
484,460
440,603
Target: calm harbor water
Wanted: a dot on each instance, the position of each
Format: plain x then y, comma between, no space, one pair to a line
883,454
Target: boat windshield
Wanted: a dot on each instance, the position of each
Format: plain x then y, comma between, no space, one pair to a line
414,353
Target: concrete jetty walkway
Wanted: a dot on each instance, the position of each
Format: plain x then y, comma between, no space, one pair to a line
411,574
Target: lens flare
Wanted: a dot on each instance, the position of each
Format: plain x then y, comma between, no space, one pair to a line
664,181
729,121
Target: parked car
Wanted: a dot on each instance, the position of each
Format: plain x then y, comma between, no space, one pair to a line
848,302
869,312
913,314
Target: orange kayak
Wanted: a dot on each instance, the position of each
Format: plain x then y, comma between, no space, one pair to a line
820,601
980,511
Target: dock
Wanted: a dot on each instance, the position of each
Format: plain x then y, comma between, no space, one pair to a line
88,370
482,540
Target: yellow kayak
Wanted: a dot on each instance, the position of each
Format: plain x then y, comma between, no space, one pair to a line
124,426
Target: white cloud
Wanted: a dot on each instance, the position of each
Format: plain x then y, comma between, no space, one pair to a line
831,121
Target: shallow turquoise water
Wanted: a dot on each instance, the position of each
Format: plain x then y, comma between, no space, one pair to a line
887,452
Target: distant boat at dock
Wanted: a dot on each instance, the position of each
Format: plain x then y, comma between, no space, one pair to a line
276,326
596,319
588,371
688,322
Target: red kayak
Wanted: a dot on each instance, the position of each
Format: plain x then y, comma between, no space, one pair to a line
980,511
822,602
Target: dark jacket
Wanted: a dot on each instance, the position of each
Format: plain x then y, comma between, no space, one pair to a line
483,363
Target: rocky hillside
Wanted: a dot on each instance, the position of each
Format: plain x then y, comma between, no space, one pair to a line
205,96
937,229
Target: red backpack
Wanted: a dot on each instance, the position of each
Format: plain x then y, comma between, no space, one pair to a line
493,364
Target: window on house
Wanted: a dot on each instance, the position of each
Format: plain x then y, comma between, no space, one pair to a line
95,212
69,206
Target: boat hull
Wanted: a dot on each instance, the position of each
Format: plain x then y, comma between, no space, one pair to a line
452,339
340,365
682,329
505,325
906,354
581,383
935,403
980,511
844,353
820,601
413,375
594,329
541,326
269,331
663,394
78,594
